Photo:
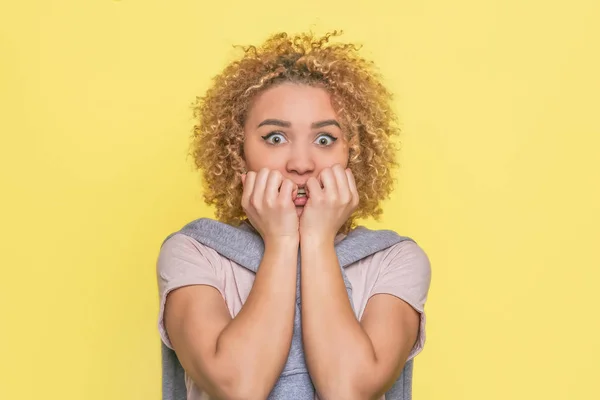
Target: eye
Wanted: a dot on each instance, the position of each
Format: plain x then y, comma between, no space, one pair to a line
274,138
325,140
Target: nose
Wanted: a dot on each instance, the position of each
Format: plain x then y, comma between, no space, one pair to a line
300,161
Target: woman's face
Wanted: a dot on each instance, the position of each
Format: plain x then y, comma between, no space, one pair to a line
294,129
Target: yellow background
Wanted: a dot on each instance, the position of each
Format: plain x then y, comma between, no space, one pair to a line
499,183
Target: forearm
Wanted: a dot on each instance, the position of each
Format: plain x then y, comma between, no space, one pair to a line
339,353
261,333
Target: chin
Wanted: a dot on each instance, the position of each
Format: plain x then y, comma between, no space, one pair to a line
299,211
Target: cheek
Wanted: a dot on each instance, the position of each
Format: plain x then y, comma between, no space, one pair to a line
329,160
344,159
257,156
344,153
341,156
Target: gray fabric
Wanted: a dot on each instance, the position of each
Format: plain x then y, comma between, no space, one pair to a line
245,247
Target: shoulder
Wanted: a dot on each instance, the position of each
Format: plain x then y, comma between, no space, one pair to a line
404,261
396,251
181,245
403,270
406,254
180,254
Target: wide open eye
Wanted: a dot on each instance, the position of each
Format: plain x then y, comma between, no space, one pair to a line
274,138
325,140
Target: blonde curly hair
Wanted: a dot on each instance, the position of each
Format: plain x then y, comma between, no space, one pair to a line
361,101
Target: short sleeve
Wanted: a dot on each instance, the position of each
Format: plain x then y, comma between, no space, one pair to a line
182,261
406,273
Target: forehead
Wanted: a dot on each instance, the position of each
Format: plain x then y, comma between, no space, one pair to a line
292,102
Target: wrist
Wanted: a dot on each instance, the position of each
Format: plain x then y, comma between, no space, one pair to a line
316,239
283,242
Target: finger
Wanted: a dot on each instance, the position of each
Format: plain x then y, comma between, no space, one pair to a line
352,186
328,181
260,185
249,180
341,180
287,190
313,188
272,187
243,179
294,191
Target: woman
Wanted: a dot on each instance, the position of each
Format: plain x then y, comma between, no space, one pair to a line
294,143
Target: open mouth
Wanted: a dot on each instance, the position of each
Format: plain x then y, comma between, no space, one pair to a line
301,192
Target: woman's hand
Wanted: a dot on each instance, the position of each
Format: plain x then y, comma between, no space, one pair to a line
268,203
332,197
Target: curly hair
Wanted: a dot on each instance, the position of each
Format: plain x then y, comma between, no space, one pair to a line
358,96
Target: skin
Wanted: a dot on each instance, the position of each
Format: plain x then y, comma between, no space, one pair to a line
293,139
293,129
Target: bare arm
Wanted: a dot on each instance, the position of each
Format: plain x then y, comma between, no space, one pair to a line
346,358
221,354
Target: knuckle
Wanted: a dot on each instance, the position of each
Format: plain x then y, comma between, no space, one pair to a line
252,201
270,202
283,204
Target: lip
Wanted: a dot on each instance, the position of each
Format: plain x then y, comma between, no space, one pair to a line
300,201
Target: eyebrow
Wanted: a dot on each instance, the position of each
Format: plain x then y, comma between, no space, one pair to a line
327,122
276,122
286,124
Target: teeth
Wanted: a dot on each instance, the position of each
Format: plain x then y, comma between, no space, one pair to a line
301,193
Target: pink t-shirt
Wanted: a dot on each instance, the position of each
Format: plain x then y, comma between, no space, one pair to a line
402,270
